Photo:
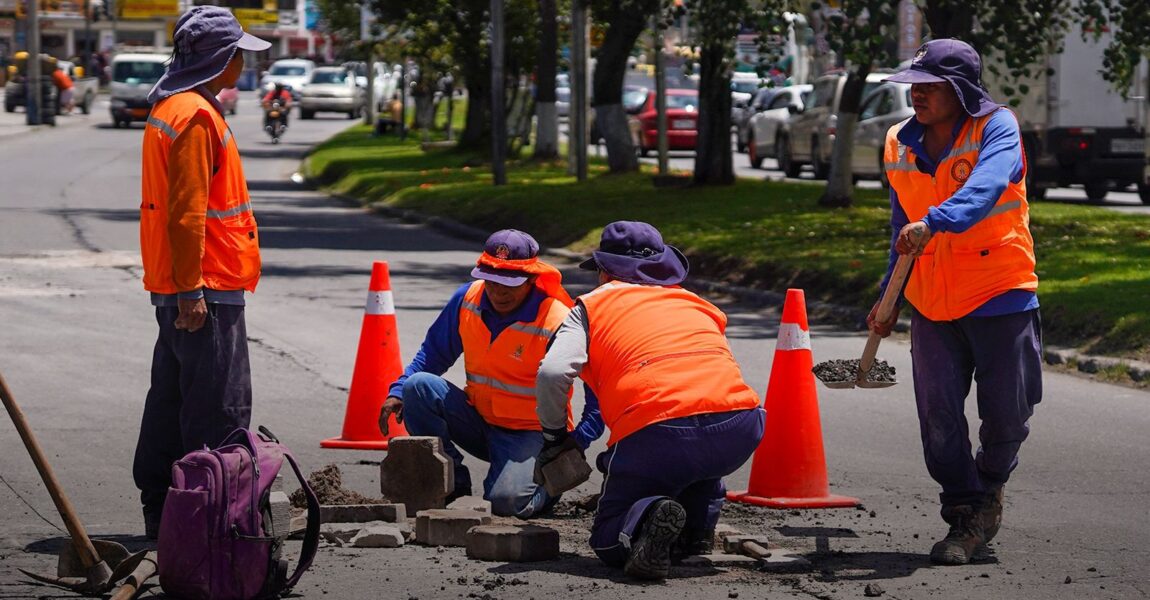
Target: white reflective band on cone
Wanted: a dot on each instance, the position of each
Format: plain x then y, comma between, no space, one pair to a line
379,303
793,337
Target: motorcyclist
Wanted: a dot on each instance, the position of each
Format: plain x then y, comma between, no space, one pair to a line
280,93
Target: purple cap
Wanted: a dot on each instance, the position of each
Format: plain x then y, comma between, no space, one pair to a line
953,61
206,39
633,251
507,244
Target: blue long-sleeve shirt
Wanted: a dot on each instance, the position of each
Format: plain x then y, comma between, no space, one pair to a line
443,345
999,164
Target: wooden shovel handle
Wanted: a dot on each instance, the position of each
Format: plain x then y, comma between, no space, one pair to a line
84,548
885,306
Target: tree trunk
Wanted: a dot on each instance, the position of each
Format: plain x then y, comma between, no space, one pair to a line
840,182
477,127
424,109
713,162
947,18
547,118
607,94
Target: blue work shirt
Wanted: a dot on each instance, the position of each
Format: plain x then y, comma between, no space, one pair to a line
999,164
443,345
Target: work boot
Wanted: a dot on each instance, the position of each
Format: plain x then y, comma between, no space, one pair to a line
651,551
692,542
990,514
965,536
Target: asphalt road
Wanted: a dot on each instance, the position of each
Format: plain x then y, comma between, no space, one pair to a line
76,345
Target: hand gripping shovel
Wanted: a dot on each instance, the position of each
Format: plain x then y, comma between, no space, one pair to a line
86,566
885,305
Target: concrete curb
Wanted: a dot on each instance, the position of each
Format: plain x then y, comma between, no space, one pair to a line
1135,372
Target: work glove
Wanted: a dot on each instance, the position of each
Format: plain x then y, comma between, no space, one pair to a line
391,406
555,442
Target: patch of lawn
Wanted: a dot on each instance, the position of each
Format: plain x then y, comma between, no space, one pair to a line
1092,263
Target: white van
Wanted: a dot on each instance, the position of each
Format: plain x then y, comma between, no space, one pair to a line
293,73
133,76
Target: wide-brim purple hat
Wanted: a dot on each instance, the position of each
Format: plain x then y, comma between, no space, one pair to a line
956,63
633,251
206,39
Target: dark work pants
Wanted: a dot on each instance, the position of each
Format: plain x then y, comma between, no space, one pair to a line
201,391
1003,356
683,459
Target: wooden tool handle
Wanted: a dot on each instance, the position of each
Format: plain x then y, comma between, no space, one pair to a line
131,587
84,548
885,306
755,550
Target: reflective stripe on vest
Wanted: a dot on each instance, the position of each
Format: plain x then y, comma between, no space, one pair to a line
958,272
230,258
501,372
657,353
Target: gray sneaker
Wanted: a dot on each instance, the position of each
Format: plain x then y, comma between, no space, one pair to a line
965,536
651,551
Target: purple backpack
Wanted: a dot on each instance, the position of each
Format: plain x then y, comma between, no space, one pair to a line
215,533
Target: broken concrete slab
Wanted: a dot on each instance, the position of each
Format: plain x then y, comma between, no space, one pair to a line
378,536
474,503
416,473
720,561
441,527
512,543
279,505
362,513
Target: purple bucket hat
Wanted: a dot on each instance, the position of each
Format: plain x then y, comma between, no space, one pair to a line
206,39
633,251
953,61
507,244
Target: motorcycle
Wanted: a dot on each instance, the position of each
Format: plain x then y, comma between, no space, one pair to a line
275,122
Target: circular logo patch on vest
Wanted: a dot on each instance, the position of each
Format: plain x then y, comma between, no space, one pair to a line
961,169
502,252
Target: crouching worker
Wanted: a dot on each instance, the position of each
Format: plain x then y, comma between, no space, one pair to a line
501,325
681,416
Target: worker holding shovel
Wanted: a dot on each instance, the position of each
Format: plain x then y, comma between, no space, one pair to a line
958,205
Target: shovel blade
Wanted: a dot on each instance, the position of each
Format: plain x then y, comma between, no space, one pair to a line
874,384
70,564
839,385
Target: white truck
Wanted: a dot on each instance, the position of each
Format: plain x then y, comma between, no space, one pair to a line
133,75
1076,128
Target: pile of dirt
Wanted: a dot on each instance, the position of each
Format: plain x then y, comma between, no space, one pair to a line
838,371
328,486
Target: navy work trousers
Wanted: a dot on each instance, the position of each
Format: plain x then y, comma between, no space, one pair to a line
683,459
1003,356
201,391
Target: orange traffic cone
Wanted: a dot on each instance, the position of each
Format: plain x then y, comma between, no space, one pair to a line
377,366
789,469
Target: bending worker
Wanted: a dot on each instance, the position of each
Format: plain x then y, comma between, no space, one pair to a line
958,203
501,325
681,416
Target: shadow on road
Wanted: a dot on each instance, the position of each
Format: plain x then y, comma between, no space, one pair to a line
53,546
592,568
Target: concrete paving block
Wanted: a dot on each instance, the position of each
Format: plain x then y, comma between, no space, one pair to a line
378,536
441,527
339,533
475,503
362,513
416,473
280,507
566,472
512,543
720,561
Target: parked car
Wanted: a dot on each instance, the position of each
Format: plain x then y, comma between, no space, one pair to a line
133,76
228,98
331,89
757,105
562,102
293,73
682,121
886,106
744,86
768,127
812,130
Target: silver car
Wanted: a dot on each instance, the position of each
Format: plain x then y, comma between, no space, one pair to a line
888,105
769,127
332,89
812,135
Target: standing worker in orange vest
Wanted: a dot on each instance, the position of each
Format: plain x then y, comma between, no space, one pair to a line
200,254
500,324
681,416
958,204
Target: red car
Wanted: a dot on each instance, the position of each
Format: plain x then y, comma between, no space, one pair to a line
682,121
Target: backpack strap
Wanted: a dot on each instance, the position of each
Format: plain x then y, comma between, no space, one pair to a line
311,536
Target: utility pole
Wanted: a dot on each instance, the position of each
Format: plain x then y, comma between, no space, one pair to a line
498,116
87,54
33,100
660,97
577,121
365,37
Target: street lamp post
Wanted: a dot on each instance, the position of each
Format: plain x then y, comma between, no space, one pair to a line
498,116
32,97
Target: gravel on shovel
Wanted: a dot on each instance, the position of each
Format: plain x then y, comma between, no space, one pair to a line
839,371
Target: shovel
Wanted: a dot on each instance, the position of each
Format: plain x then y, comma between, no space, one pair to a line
885,305
86,566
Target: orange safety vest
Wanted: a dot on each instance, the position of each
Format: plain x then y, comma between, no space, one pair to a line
657,353
501,373
958,272
230,256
